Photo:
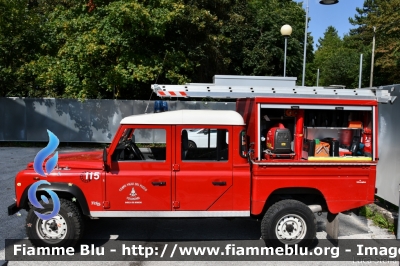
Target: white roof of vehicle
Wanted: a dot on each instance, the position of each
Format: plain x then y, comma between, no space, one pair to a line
187,117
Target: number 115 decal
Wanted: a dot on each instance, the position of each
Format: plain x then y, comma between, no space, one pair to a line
89,176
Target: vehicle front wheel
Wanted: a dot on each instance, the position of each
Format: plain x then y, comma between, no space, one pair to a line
63,230
192,144
288,222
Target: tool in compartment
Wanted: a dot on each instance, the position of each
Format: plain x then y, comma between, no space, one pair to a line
321,148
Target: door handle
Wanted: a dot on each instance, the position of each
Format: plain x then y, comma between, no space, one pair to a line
159,183
219,183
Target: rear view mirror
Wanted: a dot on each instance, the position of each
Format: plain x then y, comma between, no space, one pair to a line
243,144
105,158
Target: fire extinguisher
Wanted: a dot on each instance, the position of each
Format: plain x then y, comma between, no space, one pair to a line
366,140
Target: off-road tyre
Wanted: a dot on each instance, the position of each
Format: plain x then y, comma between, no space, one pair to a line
69,223
288,222
192,144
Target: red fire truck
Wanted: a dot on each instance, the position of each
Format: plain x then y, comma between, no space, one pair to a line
286,153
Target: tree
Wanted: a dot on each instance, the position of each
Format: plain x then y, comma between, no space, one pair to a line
107,48
114,47
388,39
196,41
19,42
338,64
257,47
384,16
361,20
124,46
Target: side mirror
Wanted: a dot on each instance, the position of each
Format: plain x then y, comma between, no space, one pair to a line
105,158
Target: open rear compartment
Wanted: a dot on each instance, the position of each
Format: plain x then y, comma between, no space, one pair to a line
316,133
277,130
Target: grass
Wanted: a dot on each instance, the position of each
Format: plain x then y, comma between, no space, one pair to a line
377,218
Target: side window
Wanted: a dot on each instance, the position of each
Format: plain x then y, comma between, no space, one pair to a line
141,144
204,144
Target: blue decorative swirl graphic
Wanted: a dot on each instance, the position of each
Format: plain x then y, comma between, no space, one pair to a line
38,167
32,198
42,155
51,163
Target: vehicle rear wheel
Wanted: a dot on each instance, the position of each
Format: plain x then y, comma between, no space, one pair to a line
63,230
288,222
192,144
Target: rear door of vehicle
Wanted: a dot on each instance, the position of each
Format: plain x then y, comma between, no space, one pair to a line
203,175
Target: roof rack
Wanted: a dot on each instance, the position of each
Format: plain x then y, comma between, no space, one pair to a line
223,91
234,87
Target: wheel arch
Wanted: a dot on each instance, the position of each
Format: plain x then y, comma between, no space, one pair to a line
308,196
63,190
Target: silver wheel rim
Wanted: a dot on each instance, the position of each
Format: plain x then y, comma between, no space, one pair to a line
291,228
53,229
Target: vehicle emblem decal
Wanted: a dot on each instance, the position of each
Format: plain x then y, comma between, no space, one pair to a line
133,197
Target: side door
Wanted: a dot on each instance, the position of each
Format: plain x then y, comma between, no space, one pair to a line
203,175
140,175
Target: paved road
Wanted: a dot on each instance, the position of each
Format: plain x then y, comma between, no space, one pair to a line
184,230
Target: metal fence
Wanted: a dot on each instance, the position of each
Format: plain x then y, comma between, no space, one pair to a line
26,119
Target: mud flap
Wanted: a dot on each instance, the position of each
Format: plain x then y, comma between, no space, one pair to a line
332,227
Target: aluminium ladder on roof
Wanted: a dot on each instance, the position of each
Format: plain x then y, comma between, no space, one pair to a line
202,90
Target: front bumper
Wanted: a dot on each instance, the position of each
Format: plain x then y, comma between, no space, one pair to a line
12,209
